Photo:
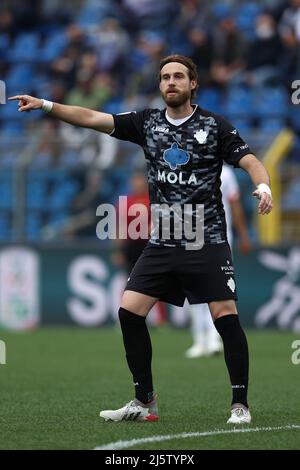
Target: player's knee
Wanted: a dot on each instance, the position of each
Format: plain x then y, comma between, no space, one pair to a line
223,313
137,303
126,316
221,309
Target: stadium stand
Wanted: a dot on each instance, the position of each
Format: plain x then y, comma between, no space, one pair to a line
118,44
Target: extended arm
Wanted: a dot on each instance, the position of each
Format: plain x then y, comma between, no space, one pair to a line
260,178
76,115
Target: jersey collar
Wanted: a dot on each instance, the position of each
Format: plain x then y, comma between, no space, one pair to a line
195,106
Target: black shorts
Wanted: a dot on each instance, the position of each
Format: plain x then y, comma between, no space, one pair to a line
172,274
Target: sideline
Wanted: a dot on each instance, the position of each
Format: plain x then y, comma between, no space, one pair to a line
118,445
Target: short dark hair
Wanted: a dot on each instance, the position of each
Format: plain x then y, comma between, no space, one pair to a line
189,64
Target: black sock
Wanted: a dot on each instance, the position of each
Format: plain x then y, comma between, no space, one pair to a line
138,349
236,356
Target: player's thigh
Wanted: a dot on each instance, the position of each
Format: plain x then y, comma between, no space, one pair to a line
220,308
137,303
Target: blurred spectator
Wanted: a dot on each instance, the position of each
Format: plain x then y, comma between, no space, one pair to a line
229,51
193,13
145,61
148,14
89,61
112,44
26,14
201,52
57,91
8,24
289,28
64,67
265,54
55,12
290,22
90,91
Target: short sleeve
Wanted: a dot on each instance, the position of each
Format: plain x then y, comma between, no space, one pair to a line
231,146
130,126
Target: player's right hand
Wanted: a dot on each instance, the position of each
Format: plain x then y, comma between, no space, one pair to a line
27,103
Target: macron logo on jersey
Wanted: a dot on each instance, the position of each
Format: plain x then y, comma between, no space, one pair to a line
160,129
175,156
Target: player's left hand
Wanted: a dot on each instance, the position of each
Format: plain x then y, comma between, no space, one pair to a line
265,200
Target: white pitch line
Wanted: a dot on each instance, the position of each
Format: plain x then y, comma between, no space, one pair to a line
118,445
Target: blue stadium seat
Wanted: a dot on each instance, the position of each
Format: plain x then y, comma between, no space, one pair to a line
246,17
272,125
294,115
210,98
53,47
41,160
69,158
19,76
177,41
5,227
271,101
57,218
4,46
113,106
42,85
62,195
25,48
10,112
6,194
238,106
9,159
221,10
243,125
36,195
291,198
94,12
12,128
239,102
33,225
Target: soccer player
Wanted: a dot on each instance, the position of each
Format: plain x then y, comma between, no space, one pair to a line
206,340
185,147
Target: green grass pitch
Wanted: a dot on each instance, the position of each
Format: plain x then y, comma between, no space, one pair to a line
56,381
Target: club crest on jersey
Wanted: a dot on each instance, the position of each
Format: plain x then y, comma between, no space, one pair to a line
201,136
175,156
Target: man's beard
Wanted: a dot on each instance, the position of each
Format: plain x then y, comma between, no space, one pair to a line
175,101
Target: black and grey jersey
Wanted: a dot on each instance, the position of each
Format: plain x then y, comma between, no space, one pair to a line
184,162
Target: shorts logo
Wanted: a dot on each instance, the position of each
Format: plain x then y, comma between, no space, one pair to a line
231,284
201,136
175,156
228,270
